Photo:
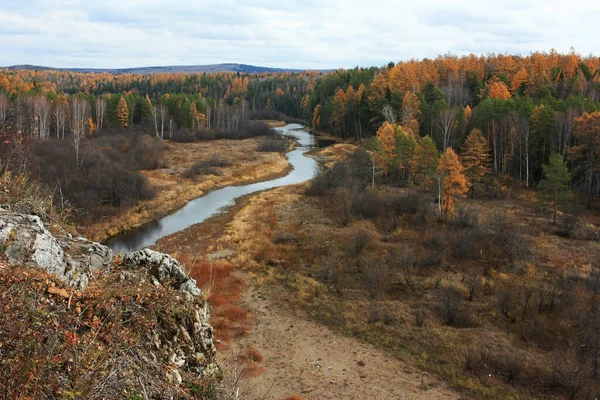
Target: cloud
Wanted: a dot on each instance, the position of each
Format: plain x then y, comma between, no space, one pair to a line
294,34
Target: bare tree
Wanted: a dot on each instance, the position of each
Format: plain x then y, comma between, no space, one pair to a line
41,114
155,115
208,115
523,139
79,112
171,127
446,121
163,116
4,110
60,118
100,111
389,114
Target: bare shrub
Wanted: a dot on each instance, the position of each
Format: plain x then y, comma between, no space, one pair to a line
451,305
435,247
358,242
403,259
274,144
473,283
567,225
374,275
366,204
476,358
507,303
466,216
206,167
467,244
570,374
420,315
382,315
508,241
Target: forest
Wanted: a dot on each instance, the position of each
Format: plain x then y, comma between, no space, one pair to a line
443,229
527,107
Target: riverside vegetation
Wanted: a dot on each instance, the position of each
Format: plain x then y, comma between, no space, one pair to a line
457,230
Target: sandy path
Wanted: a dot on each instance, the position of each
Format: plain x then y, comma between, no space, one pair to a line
304,358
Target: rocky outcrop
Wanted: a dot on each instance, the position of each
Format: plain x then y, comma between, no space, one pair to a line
164,269
24,240
190,347
183,340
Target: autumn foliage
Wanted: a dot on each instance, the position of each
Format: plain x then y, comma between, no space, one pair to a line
452,183
476,159
122,112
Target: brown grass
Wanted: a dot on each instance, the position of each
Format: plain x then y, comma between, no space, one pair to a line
403,309
174,190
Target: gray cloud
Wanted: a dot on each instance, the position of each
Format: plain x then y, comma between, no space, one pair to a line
279,33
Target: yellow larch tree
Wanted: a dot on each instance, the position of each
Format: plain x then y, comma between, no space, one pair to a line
476,159
452,182
122,112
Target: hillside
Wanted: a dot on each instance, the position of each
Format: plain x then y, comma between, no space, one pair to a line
166,69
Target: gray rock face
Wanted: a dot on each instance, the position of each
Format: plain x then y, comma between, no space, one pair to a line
191,347
164,268
26,241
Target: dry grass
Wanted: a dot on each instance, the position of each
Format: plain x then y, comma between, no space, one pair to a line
174,190
60,343
397,288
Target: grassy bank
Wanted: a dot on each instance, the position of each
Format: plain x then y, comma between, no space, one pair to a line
220,163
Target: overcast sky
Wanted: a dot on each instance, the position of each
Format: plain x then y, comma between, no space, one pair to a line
282,33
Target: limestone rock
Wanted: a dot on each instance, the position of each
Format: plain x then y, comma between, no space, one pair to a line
163,267
27,242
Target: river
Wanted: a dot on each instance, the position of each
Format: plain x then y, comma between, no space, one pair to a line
215,202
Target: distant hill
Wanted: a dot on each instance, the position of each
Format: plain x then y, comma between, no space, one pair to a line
212,68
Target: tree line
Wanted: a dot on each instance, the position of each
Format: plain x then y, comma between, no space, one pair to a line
526,107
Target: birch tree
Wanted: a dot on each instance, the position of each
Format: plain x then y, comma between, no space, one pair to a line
79,112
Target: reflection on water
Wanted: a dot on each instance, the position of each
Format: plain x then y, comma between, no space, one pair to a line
202,208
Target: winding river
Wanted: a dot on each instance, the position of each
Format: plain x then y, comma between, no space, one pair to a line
215,202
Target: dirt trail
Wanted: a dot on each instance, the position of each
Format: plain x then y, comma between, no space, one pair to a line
304,358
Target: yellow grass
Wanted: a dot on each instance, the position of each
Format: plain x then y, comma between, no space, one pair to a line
174,191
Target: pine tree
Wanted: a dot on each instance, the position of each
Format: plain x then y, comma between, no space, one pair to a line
452,183
424,162
554,187
476,159
122,112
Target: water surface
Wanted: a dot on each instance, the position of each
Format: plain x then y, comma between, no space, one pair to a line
202,208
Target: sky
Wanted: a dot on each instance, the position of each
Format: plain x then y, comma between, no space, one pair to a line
310,34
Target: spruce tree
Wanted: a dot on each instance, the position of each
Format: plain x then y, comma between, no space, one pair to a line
554,188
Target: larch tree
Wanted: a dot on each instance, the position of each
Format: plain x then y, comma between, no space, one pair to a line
411,109
122,112
424,162
498,90
554,187
386,135
451,181
476,159
316,117
90,127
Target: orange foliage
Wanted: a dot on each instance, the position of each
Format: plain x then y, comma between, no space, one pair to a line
451,180
498,90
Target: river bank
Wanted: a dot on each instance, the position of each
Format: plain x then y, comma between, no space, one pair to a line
243,164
